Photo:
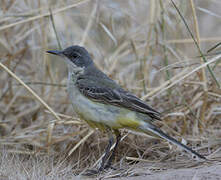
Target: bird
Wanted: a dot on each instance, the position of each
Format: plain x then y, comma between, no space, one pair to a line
105,105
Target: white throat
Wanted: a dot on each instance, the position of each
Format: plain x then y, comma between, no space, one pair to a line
74,72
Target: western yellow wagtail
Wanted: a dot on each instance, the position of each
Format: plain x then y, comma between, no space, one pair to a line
103,104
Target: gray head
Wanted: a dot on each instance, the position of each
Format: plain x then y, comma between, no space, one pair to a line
76,56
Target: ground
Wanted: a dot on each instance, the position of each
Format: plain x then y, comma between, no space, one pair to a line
200,172
197,173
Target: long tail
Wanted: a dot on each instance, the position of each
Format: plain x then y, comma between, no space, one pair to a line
147,128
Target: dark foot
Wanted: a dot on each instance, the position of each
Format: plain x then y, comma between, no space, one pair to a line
91,172
108,166
94,172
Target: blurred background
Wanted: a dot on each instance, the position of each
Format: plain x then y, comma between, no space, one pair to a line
143,45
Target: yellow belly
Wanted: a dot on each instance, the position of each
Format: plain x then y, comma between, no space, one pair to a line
103,116
124,119
95,125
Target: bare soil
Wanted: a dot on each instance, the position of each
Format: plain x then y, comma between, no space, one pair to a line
196,173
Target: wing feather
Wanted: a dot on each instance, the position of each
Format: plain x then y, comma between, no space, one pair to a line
114,95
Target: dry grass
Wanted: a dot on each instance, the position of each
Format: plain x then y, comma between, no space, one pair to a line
143,45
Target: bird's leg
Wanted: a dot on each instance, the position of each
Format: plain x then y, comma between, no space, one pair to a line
107,151
118,138
91,172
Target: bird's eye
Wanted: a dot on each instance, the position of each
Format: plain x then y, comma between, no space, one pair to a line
75,55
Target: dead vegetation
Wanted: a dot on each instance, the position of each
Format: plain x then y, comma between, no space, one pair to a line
143,45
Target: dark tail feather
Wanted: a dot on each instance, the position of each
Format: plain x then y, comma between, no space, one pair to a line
147,128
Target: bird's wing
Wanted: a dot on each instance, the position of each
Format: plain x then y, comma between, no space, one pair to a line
108,92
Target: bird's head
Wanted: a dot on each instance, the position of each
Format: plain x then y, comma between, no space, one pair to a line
75,56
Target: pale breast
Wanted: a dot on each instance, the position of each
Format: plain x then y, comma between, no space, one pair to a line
93,111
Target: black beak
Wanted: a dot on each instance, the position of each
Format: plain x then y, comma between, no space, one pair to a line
55,52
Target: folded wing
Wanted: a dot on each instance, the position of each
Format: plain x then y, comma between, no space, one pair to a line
108,92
